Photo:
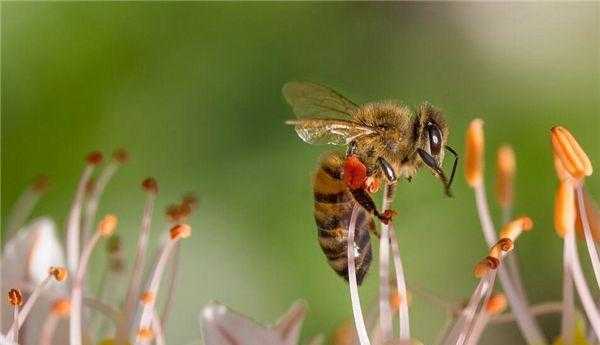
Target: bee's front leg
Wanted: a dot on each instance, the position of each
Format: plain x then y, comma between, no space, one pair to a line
355,176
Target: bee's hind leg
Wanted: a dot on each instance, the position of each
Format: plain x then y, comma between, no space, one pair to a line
364,199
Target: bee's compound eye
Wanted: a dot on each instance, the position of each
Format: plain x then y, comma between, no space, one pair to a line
435,138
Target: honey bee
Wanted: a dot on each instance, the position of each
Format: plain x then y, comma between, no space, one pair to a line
387,139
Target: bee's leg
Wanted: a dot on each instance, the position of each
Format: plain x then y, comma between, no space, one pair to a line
388,170
364,199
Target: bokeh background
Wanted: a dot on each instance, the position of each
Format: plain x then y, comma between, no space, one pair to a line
192,90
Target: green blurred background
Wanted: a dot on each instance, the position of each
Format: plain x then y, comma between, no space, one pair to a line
192,90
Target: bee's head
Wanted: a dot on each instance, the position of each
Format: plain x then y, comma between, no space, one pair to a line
431,133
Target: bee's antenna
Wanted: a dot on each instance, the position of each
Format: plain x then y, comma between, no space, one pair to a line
453,152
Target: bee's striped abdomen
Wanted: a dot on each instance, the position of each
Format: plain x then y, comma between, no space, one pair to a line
333,209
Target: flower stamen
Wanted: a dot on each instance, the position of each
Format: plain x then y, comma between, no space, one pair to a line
571,155
177,233
106,227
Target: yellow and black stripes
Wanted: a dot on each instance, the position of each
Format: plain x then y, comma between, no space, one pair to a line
333,208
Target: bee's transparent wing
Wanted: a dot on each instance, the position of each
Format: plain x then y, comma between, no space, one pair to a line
329,131
313,100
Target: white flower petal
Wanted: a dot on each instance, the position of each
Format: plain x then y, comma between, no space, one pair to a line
46,250
220,325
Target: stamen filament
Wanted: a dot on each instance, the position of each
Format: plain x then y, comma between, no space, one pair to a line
13,334
60,308
48,329
57,273
91,206
495,305
583,291
567,329
589,240
24,206
173,279
403,317
385,314
137,270
105,228
159,336
74,218
177,232
461,329
353,285
518,303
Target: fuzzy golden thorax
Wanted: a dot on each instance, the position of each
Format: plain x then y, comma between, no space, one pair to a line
399,134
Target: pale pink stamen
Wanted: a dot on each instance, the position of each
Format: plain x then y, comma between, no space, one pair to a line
385,314
74,219
403,317
353,285
518,303
177,232
137,270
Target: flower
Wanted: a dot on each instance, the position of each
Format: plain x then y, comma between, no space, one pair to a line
221,325
33,261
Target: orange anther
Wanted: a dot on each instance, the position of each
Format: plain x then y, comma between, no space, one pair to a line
94,158
121,155
150,185
108,225
61,307
40,184
505,172
571,155
180,231
474,154
564,208
15,297
513,229
145,334
59,273
147,297
496,304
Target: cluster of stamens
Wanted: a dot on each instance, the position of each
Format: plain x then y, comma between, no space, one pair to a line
79,230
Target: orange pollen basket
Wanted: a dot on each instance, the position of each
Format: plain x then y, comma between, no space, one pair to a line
355,172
